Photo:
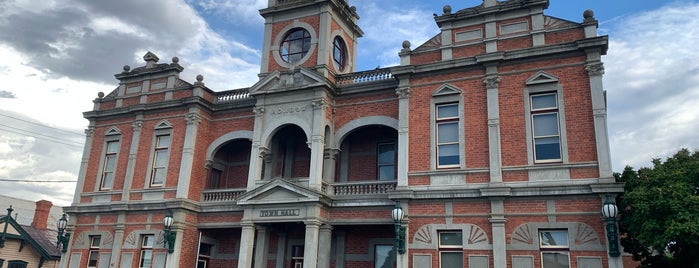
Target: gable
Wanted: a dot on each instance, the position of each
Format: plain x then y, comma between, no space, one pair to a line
289,80
17,232
280,191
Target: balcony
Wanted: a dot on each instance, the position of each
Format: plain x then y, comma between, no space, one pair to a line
363,189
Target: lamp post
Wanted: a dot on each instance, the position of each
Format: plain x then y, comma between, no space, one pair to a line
610,211
397,214
169,239
62,240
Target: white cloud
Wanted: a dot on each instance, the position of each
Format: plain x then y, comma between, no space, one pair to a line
652,70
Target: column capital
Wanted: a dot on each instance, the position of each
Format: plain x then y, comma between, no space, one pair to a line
491,81
594,68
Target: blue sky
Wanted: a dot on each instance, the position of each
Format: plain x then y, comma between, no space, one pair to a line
56,55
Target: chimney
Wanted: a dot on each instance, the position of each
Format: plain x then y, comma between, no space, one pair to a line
41,214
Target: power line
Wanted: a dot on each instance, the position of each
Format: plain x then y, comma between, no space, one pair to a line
47,138
33,180
42,125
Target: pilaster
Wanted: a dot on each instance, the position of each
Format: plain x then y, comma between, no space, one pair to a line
403,136
190,139
89,139
133,151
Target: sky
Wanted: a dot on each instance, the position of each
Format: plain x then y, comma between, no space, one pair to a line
56,55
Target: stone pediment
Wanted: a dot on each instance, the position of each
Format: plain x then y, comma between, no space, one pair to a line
288,80
280,191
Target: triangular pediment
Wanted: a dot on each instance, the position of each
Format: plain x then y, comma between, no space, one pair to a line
541,77
446,89
288,80
280,191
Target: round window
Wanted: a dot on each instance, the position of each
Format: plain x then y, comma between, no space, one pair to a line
295,45
339,53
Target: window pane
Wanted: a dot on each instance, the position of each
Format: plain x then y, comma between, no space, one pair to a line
452,260
92,259
450,239
387,173
545,124
544,101
161,158
447,111
547,148
112,147
163,141
447,132
448,154
555,260
384,256
148,241
108,180
554,238
387,154
95,242
146,258
158,176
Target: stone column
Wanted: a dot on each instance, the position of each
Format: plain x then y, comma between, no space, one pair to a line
258,151
118,240
310,248
497,221
492,81
317,144
324,246
261,247
595,70
89,138
131,164
403,138
247,236
190,141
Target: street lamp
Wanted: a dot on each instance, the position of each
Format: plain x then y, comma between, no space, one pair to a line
62,240
610,211
169,239
397,214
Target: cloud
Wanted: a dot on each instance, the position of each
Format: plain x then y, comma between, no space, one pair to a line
413,23
652,75
90,40
7,94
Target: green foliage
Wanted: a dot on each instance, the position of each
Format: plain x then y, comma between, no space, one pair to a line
659,209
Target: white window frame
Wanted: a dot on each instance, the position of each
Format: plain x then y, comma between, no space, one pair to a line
535,112
111,135
447,95
95,241
108,171
146,248
542,83
450,248
554,249
162,129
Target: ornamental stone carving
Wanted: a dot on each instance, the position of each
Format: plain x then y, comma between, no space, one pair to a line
491,81
594,68
403,92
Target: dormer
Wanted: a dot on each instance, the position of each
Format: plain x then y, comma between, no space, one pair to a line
320,35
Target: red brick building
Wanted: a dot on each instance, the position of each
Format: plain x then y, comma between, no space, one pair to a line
491,137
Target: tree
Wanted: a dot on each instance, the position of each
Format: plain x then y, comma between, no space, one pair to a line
659,222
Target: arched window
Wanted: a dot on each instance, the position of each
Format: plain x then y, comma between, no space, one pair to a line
295,45
339,53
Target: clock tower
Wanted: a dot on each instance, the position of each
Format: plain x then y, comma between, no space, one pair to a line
320,35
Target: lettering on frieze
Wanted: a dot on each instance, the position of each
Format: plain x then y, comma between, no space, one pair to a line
280,213
289,110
